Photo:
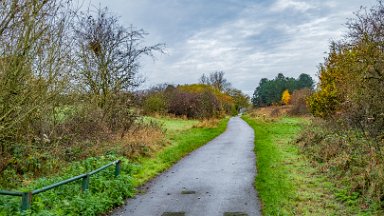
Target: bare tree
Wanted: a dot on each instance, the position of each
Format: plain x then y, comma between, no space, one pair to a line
215,79
204,80
108,57
218,81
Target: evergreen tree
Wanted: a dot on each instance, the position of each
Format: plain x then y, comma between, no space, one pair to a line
269,91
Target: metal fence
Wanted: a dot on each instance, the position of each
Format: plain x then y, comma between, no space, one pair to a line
26,197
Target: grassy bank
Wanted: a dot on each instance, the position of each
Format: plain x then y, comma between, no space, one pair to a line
286,182
106,191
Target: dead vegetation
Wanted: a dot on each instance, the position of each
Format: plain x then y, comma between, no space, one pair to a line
93,139
207,123
351,161
270,112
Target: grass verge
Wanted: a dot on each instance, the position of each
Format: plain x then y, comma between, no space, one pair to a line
286,182
106,191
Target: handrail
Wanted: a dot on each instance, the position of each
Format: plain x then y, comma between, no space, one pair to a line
58,184
26,200
10,193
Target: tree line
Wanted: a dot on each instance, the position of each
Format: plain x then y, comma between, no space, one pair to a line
269,92
212,97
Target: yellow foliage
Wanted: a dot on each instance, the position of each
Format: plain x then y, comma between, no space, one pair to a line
196,88
286,97
200,88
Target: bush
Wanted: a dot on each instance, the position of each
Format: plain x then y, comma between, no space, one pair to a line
155,103
298,102
199,101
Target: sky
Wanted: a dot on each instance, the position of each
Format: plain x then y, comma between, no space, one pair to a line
247,39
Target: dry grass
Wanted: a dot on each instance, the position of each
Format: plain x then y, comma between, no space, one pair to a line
207,123
352,162
139,141
168,116
45,160
270,112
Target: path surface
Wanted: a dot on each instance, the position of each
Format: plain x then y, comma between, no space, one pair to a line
215,179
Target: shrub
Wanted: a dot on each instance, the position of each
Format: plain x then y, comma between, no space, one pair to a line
155,103
298,102
198,101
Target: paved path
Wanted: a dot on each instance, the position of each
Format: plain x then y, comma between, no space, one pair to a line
215,179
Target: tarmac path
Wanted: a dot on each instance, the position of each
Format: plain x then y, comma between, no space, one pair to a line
214,180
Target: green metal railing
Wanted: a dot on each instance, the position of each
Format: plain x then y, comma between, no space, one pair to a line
26,197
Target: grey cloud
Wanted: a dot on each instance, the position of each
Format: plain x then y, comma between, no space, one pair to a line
248,40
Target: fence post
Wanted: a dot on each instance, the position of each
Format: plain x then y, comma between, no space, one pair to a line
26,200
85,184
117,168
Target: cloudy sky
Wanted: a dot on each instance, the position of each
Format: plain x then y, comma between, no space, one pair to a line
247,39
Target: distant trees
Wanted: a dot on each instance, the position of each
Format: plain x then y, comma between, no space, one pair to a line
193,101
240,99
304,81
270,91
211,98
215,79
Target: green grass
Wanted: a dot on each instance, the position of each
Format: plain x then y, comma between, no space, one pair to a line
286,182
106,191
172,124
